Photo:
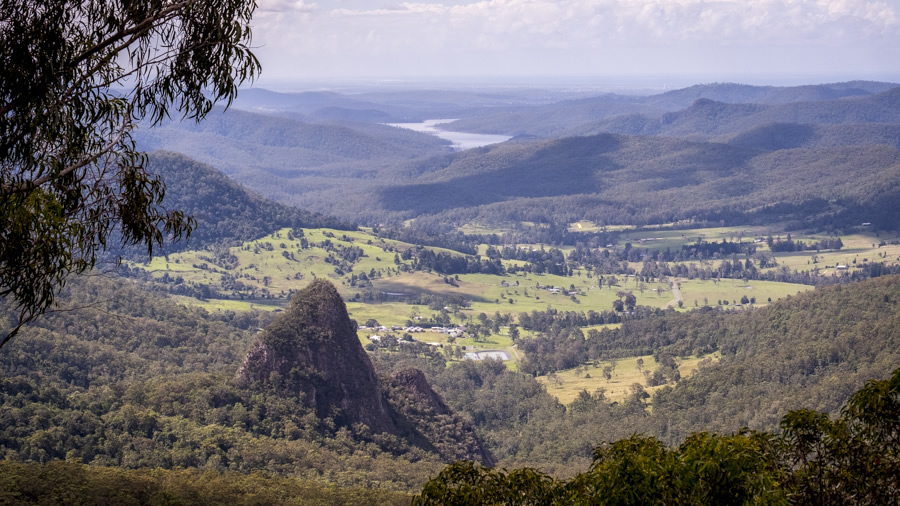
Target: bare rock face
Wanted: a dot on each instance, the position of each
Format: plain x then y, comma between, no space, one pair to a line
312,350
422,408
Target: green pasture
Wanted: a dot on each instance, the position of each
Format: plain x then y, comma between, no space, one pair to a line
476,229
857,245
828,260
586,226
733,289
605,326
482,229
262,263
214,305
674,239
589,226
566,385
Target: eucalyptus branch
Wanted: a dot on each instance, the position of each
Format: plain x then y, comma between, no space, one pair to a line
62,127
30,185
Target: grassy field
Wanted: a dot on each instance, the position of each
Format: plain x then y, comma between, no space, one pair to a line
860,247
569,383
271,267
277,264
213,305
674,239
263,264
589,226
731,290
859,251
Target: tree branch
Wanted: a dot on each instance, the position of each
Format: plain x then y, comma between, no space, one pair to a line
30,185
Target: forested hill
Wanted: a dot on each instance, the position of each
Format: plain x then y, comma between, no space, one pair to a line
775,136
810,351
707,117
397,104
734,93
248,145
133,380
619,179
126,378
822,155
225,211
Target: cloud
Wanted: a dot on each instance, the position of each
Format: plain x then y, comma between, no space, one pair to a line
286,6
657,19
398,10
371,36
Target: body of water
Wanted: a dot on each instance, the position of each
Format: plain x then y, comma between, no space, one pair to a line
460,140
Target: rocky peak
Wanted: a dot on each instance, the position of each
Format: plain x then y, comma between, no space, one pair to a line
312,350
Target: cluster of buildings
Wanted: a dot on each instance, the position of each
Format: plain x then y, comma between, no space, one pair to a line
456,331
555,290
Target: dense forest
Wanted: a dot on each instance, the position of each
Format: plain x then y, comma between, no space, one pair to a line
130,379
814,460
226,212
126,378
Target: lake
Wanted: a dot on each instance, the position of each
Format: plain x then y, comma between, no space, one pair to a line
460,140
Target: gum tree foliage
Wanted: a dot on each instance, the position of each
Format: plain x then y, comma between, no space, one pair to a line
78,75
854,459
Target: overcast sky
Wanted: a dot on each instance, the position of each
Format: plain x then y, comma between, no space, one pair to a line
718,40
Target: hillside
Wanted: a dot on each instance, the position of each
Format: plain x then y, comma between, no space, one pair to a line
134,380
775,136
226,212
552,119
400,103
706,117
810,351
312,352
635,114
808,155
734,93
130,379
282,157
616,179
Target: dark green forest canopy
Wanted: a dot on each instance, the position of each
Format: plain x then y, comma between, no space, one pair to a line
134,380
226,212
816,460
72,483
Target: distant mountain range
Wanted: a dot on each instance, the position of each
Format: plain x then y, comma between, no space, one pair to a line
706,117
824,154
636,114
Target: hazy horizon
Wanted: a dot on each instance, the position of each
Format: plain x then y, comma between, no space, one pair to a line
626,43
625,84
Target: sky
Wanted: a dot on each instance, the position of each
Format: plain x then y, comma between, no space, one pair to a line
619,41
